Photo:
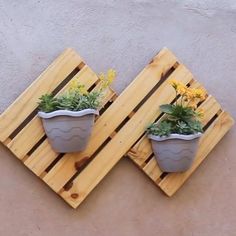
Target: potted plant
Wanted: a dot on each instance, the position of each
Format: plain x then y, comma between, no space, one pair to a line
68,119
175,138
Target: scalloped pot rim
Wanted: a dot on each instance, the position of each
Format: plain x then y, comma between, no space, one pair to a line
175,136
67,113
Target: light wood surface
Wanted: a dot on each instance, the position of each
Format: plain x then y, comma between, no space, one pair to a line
85,182
113,117
118,131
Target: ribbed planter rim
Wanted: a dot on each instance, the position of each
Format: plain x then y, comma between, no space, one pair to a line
67,113
175,136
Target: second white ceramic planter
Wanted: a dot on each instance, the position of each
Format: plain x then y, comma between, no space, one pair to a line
175,153
68,131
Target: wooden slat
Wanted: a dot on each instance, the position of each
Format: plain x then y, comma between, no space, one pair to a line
44,155
41,158
45,83
141,151
122,141
210,108
171,183
33,131
113,117
152,169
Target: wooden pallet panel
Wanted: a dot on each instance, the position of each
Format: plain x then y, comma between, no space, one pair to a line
130,132
106,126
216,124
25,136
119,130
23,133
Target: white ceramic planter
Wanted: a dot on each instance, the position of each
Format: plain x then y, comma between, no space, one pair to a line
175,153
68,131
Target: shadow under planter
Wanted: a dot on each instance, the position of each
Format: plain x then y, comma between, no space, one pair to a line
68,131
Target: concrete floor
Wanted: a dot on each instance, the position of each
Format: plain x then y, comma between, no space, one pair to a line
123,35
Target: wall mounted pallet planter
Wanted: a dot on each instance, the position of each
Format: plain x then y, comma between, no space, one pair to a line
21,130
119,130
216,123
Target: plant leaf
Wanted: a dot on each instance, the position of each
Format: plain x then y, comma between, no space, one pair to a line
167,108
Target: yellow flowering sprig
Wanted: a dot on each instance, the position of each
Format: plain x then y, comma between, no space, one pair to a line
107,79
190,97
76,87
77,98
181,117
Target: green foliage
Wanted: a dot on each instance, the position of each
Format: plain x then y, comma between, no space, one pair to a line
179,120
72,101
167,127
163,129
182,116
177,112
48,103
77,97
91,100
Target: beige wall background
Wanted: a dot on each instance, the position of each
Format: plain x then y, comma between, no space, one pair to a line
124,35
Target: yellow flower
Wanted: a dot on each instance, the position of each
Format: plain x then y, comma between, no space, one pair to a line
111,74
107,79
190,94
73,85
178,86
192,104
82,90
182,89
174,83
199,93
